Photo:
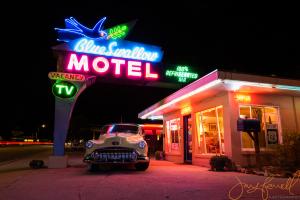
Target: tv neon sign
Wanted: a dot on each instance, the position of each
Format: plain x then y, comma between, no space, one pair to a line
101,65
182,73
64,89
118,48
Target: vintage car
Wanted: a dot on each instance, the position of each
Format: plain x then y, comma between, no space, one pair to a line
118,144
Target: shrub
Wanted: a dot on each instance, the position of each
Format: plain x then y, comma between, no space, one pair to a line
287,154
219,162
159,155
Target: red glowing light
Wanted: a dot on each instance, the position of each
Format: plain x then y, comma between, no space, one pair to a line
103,62
134,68
159,126
243,98
73,62
148,72
118,63
22,143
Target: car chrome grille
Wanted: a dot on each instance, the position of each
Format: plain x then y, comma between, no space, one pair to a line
114,155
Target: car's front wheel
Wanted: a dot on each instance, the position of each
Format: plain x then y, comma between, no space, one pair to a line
142,166
92,167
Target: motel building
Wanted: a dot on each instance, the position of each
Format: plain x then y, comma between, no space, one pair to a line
200,120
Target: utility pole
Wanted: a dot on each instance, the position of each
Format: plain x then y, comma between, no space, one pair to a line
36,133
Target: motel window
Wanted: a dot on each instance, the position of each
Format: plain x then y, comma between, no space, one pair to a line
173,131
210,134
269,122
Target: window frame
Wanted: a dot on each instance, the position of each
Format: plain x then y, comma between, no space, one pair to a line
200,126
266,148
169,135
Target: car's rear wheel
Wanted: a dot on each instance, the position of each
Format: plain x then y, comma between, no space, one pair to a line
92,167
142,166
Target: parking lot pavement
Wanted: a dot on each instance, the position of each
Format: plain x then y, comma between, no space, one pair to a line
162,180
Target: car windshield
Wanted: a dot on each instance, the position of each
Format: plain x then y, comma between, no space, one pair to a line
120,128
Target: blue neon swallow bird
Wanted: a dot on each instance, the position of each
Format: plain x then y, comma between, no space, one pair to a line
75,30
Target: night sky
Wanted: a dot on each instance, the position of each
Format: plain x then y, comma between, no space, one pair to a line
250,37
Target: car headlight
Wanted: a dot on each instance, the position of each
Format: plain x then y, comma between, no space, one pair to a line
89,144
142,144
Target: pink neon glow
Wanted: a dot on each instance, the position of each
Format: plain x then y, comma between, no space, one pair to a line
73,62
104,64
118,63
134,68
148,72
119,67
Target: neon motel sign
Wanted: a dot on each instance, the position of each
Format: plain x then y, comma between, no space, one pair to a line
120,49
66,76
101,65
98,52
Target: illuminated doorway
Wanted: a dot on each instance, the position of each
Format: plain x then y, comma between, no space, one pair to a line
187,128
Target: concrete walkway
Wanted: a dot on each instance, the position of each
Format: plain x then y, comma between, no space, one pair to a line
163,180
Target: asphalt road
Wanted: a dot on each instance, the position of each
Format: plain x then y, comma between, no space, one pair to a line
9,153
162,180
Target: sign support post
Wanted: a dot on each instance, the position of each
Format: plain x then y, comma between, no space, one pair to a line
63,113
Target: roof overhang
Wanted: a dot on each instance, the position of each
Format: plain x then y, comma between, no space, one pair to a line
216,82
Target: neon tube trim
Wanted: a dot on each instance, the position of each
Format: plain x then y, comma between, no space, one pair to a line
118,48
118,32
100,65
265,85
75,30
159,117
287,87
237,84
233,83
200,89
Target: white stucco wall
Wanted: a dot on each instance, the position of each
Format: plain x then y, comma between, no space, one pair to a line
289,110
289,117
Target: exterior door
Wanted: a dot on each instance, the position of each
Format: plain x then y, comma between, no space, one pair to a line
187,128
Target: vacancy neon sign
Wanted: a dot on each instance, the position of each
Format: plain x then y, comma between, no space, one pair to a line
100,65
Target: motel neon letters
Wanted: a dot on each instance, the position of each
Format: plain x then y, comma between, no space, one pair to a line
118,48
102,65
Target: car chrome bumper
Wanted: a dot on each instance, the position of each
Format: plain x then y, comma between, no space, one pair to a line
122,157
